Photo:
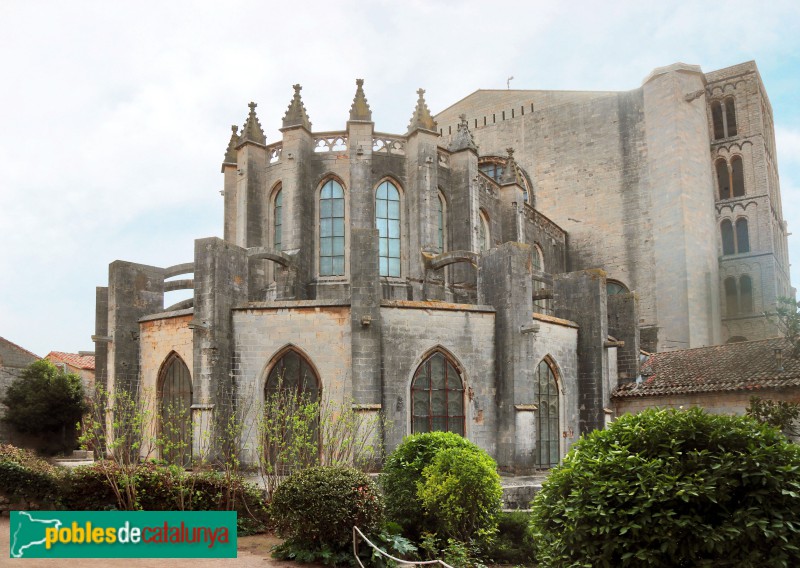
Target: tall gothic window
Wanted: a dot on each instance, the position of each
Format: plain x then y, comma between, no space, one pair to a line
175,402
547,424
441,210
277,220
387,219
293,373
331,229
484,234
437,397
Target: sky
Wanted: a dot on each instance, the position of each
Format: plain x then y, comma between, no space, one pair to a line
115,116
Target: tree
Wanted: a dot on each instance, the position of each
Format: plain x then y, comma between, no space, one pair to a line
44,400
779,414
787,318
672,488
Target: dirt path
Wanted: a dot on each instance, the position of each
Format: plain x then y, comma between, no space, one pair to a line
253,552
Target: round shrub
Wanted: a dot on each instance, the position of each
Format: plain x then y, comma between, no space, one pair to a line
317,507
461,494
23,475
402,473
672,488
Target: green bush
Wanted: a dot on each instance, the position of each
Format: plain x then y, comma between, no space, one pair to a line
461,494
45,401
86,488
513,544
672,488
315,510
23,475
402,473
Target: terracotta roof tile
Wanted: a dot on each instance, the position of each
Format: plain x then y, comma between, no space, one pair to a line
85,362
745,366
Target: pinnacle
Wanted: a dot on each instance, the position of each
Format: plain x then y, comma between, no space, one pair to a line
296,114
252,131
422,119
360,109
510,171
230,152
463,138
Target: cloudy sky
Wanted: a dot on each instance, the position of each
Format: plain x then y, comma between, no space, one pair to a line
114,116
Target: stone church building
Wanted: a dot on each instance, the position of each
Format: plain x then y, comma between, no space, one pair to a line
494,271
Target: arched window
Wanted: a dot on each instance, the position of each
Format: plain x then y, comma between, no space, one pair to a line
331,229
723,179
292,373
742,236
441,216
544,305
723,115
728,245
484,235
547,413
716,117
437,396
737,176
731,297
745,295
387,219
730,117
615,287
277,219
175,403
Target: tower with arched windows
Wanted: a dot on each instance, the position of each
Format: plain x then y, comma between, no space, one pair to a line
492,271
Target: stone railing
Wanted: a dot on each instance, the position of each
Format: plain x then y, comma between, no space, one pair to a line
330,142
388,144
274,152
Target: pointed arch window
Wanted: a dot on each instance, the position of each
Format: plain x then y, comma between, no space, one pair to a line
437,396
331,229
484,235
175,403
277,219
547,416
387,219
441,213
293,373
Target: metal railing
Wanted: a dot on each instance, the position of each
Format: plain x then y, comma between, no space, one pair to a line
400,562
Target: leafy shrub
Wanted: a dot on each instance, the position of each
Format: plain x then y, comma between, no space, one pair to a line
513,544
44,400
402,473
315,510
461,494
672,488
23,475
86,488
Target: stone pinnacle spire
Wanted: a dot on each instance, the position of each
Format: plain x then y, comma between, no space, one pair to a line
230,152
252,131
463,139
510,171
360,109
296,114
422,118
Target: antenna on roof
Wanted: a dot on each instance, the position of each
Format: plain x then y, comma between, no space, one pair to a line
508,82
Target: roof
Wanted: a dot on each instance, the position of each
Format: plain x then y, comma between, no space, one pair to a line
15,346
85,362
745,366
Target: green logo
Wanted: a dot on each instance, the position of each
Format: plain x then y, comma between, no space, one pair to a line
123,534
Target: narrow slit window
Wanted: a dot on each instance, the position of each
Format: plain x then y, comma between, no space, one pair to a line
716,118
737,176
723,179
746,293
730,117
731,298
277,220
742,236
728,246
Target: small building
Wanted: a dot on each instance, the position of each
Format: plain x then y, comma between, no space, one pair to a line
81,364
720,378
13,360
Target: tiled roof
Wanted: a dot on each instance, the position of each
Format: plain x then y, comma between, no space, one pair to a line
85,362
745,366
